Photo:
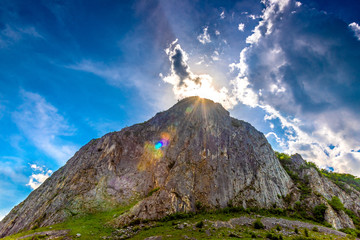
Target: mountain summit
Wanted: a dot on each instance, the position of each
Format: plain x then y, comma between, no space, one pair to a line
192,154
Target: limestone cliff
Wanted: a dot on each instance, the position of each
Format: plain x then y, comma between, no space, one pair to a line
193,153
315,189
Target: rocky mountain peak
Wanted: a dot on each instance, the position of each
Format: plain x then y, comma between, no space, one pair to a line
192,110
194,153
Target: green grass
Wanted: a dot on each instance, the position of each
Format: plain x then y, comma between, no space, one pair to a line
170,230
90,226
93,226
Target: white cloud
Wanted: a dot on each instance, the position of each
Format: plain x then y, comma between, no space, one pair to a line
100,69
263,81
217,32
277,139
273,9
252,16
35,167
186,83
314,146
12,34
241,27
356,28
298,4
222,15
38,177
204,37
43,126
215,56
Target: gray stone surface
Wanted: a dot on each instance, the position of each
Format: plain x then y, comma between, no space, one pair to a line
323,190
208,157
54,234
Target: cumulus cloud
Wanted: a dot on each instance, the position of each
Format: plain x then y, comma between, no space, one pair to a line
241,27
356,28
186,83
252,16
306,77
43,126
38,177
204,37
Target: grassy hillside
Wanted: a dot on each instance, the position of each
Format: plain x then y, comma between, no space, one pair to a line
296,222
203,225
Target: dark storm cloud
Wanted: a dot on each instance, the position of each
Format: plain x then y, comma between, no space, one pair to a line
305,63
179,66
315,58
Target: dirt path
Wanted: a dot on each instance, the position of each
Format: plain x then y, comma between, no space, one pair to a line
272,222
49,234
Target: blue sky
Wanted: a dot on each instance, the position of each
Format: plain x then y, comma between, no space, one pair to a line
71,71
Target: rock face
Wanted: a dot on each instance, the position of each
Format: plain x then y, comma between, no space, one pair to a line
322,191
194,153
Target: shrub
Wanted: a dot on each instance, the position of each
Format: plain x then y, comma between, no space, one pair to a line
342,179
315,229
134,222
135,229
287,198
269,236
234,210
305,190
258,224
336,203
278,228
176,216
199,207
306,232
296,230
273,236
319,212
326,224
350,231
300,238
283,157
230,203
152,191
199,224
353,216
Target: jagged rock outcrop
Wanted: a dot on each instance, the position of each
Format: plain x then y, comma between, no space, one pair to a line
323,190
194,153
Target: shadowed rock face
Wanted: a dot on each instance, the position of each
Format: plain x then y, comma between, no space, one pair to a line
323,189
193,152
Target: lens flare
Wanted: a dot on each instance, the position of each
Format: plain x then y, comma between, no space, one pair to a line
158,145
189,109
165,137
153,152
